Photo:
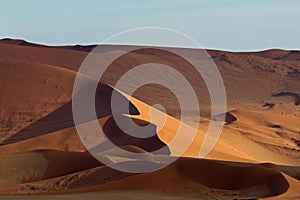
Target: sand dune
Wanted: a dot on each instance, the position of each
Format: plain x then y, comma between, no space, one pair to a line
36,106
40,165
193,177
257,155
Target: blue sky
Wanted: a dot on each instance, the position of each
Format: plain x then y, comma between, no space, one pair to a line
236,25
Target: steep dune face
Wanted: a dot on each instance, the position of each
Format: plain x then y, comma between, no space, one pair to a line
30,92
37,100
41,152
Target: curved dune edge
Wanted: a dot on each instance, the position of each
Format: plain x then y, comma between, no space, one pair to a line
233,144
293,191
294,95
168,131
193,177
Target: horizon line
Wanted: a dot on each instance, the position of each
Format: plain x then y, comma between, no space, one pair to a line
42,44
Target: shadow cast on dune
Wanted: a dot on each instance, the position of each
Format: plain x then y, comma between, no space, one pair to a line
294,95
230,177
64,174
248,180
63,118
119,138
227,117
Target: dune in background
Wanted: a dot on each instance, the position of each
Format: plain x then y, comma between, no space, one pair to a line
42,156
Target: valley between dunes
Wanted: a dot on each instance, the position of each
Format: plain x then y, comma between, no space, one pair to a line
42,156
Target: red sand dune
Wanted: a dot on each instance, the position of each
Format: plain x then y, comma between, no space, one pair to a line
257,155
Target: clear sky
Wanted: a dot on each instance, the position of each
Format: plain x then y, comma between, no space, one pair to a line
236,25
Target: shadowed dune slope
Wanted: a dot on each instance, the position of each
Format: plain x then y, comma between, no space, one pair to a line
35,106
40,165
192,177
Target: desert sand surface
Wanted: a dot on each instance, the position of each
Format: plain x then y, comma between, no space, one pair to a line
42,156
